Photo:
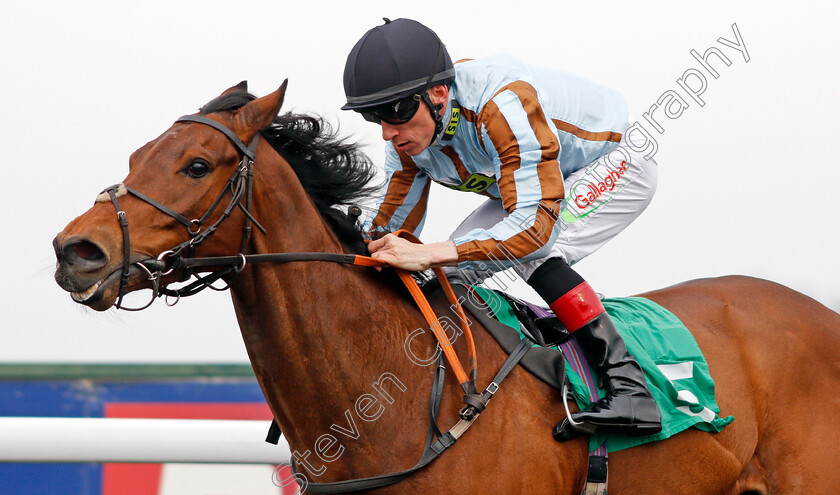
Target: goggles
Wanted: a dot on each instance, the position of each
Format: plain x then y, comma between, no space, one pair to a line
395,113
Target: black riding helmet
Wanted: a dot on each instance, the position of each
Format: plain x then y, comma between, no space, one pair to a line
390,67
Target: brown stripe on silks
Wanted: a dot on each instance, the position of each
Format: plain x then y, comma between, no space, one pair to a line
464,60
469,115
398,188
548,170
507,148
456,160
517,246
472,117
413,219
587,135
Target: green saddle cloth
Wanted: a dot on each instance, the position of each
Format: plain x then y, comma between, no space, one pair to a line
675,369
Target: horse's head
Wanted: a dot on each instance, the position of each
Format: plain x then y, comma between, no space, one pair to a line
179,187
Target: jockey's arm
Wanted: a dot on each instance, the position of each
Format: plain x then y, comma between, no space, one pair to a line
402,205
407,255
402,201
524,148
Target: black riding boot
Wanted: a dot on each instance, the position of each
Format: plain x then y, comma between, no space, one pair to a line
627,407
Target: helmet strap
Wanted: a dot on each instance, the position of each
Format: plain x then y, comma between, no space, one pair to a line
435,110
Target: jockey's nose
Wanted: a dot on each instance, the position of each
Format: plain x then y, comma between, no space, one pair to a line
389,131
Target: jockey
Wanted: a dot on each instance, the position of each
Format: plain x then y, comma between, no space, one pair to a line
526,137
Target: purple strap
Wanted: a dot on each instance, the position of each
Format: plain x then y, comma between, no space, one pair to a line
574,356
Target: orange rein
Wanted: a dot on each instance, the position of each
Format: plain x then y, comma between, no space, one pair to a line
467,381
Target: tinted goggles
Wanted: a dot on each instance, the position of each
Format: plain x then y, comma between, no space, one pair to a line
395,113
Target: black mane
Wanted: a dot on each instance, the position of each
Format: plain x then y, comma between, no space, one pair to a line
333,171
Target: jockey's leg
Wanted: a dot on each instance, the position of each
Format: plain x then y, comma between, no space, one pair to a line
627,407
627,181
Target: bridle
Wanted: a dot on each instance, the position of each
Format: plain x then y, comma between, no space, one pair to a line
240,186
179,257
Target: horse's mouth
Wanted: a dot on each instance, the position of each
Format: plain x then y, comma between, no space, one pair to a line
101,295
81,297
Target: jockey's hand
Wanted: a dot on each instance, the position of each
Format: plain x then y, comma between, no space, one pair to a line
409,256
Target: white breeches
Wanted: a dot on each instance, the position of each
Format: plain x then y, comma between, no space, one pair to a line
601,201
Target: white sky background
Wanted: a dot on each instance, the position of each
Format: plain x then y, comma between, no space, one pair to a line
747,182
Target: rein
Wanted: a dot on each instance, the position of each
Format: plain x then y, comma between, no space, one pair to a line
240,185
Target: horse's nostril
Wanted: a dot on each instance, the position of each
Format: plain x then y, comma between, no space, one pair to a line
87,250
59,253
83,250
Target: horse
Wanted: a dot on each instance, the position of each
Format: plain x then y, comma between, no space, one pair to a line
328,341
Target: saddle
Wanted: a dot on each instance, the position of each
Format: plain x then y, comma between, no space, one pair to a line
543,361
674,367
531,336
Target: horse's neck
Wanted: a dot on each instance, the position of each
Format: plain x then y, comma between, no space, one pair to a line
320,335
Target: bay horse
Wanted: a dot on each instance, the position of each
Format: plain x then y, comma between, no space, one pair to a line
327,341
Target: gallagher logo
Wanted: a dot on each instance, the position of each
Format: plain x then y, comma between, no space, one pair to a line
591,192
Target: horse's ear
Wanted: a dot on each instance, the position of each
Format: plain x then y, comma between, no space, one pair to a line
242,87
258,114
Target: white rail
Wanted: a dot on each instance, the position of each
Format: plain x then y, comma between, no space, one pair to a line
28,439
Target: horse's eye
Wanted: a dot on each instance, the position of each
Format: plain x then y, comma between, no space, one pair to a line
198,170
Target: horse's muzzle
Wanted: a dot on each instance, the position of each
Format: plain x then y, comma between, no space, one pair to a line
81,269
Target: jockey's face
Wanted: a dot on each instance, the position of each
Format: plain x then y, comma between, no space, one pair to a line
415,135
